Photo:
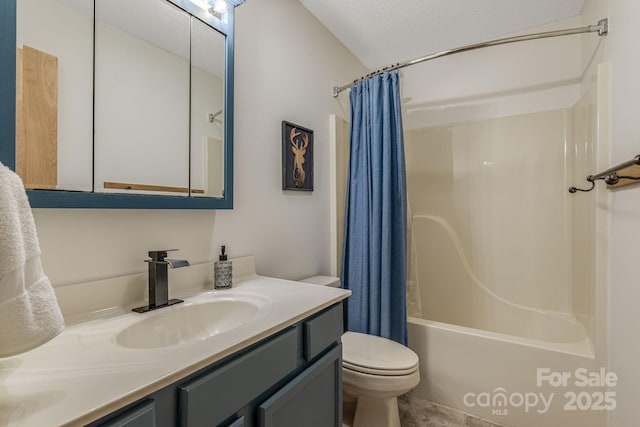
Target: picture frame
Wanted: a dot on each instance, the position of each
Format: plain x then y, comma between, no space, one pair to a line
297,157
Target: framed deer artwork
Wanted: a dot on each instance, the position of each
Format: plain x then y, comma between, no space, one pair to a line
297,157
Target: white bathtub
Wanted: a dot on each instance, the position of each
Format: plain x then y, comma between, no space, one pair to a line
488,374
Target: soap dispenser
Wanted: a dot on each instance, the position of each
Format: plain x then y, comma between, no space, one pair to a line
222,272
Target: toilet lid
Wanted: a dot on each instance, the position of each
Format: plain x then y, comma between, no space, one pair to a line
376,355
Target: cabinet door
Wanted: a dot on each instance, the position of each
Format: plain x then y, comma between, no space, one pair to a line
321,331
143,415
312,399
237,423
212,398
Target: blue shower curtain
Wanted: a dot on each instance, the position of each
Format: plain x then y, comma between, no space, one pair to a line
374,255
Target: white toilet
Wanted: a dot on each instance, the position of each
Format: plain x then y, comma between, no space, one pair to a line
375,371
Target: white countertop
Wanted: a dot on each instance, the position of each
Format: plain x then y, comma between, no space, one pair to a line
83,374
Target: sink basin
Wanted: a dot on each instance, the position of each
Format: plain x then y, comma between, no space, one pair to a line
187,323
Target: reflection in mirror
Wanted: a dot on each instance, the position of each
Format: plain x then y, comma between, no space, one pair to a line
54,72
207,112
141,97
157,122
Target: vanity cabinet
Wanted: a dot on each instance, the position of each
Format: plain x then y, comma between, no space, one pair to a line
310,399
290,379
141,415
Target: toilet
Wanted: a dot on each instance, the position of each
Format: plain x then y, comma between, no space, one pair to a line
375,371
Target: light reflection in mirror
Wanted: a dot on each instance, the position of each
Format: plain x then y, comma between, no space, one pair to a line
156,124
207,110
141,97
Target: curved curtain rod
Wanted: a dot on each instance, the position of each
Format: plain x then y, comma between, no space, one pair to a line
602,27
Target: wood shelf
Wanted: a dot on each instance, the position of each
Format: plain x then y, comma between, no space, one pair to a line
633,171
36,118
147,187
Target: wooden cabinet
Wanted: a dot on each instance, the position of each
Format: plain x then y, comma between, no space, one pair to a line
292,378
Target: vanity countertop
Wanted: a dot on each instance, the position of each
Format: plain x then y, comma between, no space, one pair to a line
84,374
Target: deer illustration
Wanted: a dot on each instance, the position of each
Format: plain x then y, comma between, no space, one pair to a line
298,152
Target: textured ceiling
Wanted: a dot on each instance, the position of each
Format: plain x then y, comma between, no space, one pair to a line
164,26
382,32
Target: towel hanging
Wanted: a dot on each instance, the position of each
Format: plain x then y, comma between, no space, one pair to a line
29,311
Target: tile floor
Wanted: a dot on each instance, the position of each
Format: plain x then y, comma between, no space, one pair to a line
416,412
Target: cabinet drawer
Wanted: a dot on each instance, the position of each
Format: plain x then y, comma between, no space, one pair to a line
322,331
214,397
143,415
237,423
312,399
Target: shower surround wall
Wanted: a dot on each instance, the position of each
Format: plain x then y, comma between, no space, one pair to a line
510,265
493,224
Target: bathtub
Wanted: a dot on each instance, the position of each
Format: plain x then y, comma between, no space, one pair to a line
509,380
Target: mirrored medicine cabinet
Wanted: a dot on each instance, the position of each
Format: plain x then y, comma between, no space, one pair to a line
119,103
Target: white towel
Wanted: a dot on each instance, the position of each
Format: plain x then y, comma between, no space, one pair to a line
29,311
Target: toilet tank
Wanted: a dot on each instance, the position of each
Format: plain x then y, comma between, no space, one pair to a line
331,281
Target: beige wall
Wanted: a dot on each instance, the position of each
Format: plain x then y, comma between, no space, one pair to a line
517,78
498,236
339,165
286,64
500,183
620,49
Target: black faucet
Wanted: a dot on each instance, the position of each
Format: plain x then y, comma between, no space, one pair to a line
159,280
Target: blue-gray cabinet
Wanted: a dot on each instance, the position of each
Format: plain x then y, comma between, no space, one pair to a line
310,399
141,415
290,379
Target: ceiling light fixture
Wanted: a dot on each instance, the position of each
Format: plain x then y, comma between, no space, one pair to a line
219,7
214,7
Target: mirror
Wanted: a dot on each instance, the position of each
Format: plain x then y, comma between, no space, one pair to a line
123,101
54,100
168,68
141,97
207,110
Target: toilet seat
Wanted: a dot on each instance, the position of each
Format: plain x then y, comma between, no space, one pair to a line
374,355
380,372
